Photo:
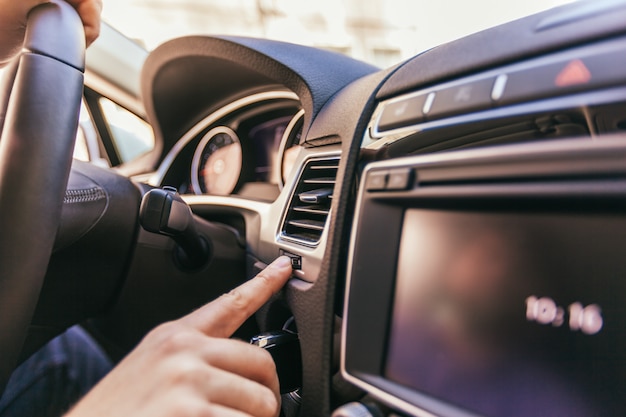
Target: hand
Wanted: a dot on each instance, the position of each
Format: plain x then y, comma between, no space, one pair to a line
14,14
89,12
188,367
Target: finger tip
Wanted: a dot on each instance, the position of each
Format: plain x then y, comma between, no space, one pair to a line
282,262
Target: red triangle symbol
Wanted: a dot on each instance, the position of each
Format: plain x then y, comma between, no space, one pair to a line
574,73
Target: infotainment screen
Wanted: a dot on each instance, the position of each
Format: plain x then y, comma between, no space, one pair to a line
512,313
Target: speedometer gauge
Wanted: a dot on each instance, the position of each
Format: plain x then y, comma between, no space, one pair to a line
217,162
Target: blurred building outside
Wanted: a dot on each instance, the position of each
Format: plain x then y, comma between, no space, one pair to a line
382,32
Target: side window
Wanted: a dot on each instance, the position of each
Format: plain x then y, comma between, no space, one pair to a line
87,146
81,152
131,136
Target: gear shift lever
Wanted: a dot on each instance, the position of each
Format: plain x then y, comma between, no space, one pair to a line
163,211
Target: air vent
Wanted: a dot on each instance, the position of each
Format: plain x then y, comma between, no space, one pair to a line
310,203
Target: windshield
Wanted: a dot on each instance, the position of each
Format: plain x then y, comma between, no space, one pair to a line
382,32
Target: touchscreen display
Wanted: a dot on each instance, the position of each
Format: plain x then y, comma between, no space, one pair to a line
512,314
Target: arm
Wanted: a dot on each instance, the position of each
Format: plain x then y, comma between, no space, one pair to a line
188,367
13,17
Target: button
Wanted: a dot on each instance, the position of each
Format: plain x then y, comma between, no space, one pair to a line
296,260
376,181
471,96
401,113
565,77
399,179
604,69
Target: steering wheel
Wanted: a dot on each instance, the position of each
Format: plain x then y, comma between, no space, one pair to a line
40,109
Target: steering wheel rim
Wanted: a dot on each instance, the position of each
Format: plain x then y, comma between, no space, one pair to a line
36,147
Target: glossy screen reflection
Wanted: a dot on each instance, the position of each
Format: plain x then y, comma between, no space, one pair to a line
516,314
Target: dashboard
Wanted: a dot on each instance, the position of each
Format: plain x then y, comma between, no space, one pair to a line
456,223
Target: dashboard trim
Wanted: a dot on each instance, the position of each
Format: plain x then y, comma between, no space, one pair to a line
283,145
226,201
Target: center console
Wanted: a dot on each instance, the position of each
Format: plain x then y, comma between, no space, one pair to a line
491,282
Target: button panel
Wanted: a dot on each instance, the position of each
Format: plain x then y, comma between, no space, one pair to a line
587,68
397,179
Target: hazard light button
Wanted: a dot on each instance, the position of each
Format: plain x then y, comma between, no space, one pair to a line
564,77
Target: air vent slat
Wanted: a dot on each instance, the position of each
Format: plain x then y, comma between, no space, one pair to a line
321,210
309,208
320,181
308,224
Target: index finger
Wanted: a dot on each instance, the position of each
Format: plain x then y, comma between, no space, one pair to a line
221,317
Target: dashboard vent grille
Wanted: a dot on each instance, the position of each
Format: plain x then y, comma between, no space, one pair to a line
310,203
